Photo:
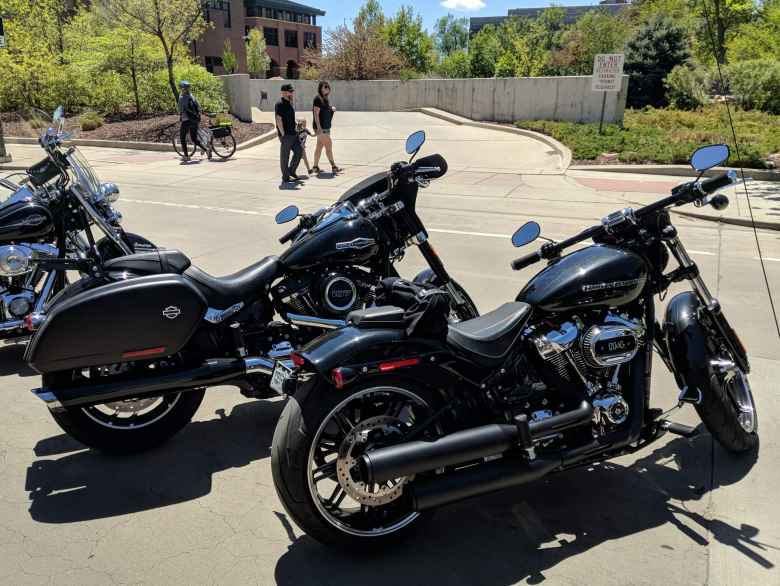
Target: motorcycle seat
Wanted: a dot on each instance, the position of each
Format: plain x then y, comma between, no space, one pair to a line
487,339
223,292
153,262
389,317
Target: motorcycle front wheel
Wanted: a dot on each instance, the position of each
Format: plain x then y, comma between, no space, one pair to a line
315,446
130,426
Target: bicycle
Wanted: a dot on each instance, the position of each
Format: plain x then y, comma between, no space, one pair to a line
219,136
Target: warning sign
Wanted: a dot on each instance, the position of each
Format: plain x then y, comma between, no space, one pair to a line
608,72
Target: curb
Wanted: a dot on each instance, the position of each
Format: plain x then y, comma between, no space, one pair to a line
676,171
760,224
139,146
561,149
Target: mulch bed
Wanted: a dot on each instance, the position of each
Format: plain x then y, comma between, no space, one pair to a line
126,127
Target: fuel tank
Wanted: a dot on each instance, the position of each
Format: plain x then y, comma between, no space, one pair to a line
595,277
24,217
342,237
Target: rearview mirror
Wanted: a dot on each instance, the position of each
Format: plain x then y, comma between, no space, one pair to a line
526,234
288,214
710,156
414,142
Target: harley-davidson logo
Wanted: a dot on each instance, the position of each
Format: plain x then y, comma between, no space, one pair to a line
356,244
171,312
612,285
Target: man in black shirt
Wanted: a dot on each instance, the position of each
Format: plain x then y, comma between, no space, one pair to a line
288,137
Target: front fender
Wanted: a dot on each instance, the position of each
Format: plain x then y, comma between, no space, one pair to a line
686,337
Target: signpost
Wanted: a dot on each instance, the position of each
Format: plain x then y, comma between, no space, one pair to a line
607,77
4,157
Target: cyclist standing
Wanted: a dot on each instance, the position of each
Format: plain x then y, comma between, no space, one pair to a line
189,114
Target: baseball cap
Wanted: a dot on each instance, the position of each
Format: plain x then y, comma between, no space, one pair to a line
184,83
288,88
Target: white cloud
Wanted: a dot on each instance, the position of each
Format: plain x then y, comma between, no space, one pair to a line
465,5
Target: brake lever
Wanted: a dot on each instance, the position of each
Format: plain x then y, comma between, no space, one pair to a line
422,181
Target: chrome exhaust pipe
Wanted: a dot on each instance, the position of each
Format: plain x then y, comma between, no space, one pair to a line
211,373
316,322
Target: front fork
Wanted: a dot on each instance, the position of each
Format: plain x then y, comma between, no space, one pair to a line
438,267
710,305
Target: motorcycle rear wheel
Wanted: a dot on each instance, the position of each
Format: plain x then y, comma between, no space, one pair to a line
135,425
337,518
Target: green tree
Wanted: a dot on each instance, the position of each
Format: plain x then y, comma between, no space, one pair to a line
759,38
484,52
257,59
229,58
370,16
130,54
655,49
173,22
455,65
506,65
720,20
597,31
452,34
406,34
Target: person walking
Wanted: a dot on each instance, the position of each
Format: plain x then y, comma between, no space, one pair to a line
303,134
323,116
288,137
189,115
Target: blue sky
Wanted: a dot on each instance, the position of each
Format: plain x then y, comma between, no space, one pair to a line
340,10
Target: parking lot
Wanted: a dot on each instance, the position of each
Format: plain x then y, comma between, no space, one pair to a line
202,508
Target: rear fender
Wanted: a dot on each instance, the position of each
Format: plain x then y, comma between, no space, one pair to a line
354,347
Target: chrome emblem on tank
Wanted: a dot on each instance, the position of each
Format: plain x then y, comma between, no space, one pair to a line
612,285
171,312
356,244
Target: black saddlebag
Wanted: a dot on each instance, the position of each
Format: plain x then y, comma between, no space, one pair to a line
137,319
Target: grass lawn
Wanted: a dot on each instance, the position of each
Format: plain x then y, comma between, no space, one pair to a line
668,136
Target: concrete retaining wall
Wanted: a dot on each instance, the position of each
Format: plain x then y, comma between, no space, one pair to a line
501,100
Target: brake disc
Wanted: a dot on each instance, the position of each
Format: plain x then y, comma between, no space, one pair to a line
374,494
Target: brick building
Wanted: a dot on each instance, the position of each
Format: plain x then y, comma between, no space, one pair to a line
290,30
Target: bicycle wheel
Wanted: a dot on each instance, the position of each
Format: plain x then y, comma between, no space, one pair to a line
224,147
178,147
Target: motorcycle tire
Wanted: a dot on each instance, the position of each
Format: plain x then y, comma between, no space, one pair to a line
82,425
290,463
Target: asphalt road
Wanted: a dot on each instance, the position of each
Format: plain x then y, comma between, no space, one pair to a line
202,509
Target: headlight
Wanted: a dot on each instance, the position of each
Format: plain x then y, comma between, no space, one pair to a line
15,260
109,191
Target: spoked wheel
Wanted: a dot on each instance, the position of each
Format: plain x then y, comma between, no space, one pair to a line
224,147
178,147
315,453
128,426
727,407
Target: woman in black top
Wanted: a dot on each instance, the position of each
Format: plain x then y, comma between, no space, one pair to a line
323,115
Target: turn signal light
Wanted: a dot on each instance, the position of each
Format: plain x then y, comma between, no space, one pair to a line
297,359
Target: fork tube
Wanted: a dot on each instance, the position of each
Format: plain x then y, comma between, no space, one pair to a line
682,256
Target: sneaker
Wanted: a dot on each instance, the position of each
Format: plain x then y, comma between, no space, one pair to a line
295,177
210,152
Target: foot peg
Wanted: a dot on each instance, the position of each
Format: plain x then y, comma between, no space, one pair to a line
689,395
679,428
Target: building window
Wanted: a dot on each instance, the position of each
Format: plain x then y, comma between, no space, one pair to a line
212,62
270,13
310,40
290,38
271,36
307,18
221,5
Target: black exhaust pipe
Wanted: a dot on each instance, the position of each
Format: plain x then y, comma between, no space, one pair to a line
210,373
444,489
463,446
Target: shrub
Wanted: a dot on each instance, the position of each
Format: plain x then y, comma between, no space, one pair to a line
156,93
91,121
455,66
310,72
407,73
686,88
756,84
507,65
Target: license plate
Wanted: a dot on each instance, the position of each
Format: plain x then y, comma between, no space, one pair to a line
281,373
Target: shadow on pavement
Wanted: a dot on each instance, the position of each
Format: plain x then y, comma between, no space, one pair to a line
519,534
12,362
88,485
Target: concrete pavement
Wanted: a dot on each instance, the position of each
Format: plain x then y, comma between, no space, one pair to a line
202,509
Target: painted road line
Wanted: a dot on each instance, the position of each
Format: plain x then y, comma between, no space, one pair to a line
769,258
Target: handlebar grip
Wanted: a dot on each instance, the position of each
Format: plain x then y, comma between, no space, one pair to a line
712,185
527,260
290,235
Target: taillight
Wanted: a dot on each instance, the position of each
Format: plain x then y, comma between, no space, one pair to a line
395,364
338,378
145,353
297,359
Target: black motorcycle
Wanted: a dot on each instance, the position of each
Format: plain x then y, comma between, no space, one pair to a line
46,228
126,353
387,421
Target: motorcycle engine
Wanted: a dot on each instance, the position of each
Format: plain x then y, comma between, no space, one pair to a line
326,292
589,356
